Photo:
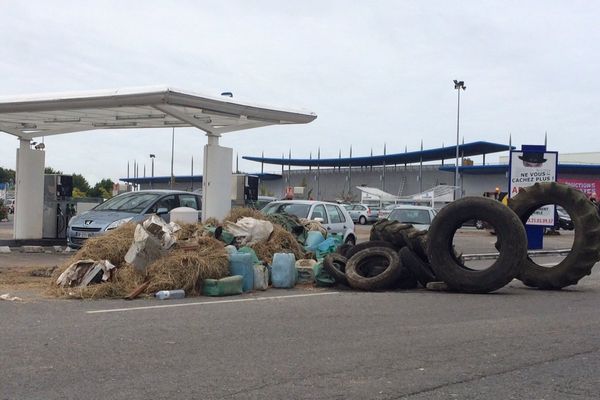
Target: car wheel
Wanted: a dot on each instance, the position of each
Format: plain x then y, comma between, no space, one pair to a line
351,240
362,220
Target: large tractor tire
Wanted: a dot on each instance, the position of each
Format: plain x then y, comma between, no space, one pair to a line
367,245
419,268
511,235
586,244
390,231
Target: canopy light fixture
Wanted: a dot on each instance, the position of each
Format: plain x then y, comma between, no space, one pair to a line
59,120
144,116
28,125
222,113
174,123
114,125
203,118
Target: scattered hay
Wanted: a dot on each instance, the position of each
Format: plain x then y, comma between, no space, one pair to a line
185,269
212,221
280,241
111,246
124,279
240,212
189,231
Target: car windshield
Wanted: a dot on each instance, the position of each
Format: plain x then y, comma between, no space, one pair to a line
410,216
130,202
299,210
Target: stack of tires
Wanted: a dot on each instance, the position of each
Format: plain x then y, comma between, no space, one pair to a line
395,257
400,256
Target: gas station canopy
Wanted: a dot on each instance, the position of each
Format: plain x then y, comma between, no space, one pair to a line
33,116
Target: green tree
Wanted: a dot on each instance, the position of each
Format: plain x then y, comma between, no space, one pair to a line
102,189
80,183
7,175
52,171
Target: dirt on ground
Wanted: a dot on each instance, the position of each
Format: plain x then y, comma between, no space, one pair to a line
28,273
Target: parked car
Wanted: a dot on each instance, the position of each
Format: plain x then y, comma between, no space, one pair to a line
563,220
10,204
334,217
126,207
261,202
419,216
362,213
385,211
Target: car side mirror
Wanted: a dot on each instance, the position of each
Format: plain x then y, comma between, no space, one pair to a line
162,210
318,219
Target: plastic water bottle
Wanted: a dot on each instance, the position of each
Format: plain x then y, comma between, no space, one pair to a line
170,294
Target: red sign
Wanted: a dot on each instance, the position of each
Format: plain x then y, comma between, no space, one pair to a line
587,186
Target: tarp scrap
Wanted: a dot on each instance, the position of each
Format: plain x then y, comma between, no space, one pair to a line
82,272
251,230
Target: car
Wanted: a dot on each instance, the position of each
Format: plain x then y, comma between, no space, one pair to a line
563,220
362,213
261,202
418,216
334,217
127,207
10,204
385,211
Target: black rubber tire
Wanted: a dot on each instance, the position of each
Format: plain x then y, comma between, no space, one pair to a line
389,231
511,234
416,240
351,240
343,249
362,220
384,280
419,268
367,245
335,265
586,244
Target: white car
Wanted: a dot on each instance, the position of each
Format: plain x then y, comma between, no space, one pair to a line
334,217
419,216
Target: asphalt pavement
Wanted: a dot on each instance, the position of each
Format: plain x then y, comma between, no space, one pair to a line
518,343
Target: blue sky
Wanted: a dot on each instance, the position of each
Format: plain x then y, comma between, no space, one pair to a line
375,72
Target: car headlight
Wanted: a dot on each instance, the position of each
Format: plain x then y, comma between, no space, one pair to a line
118,223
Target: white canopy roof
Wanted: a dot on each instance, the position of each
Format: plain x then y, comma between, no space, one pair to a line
151,107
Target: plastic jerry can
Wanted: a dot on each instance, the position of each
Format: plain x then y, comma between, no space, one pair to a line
283,270
229,286
261,277
242,264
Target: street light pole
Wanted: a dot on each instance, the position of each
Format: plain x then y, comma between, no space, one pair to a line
458,85
152,157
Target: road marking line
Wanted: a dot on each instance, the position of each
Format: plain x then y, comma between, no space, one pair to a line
201,303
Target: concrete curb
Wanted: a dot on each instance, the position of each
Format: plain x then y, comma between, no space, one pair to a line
531,253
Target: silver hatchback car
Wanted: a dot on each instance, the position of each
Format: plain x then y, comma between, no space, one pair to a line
334,217
126,207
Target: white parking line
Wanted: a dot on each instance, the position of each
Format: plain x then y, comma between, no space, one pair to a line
203,303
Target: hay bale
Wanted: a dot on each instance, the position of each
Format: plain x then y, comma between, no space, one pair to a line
240,212
111,246
280,241
185,269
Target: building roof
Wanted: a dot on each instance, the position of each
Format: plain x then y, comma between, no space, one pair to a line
503,168
188,178
39,115
436,154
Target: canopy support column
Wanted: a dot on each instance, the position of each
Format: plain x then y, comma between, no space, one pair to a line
216,184
29,193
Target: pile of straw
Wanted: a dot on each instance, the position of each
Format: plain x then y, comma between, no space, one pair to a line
280,241
240,212
189,231
186,269
111,246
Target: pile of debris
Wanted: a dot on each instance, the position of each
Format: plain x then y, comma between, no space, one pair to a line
399,256
138,259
